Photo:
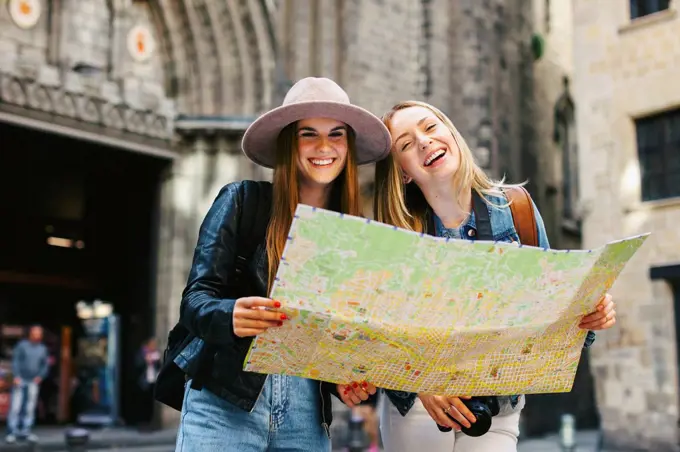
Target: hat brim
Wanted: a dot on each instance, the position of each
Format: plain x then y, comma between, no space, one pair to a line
373,140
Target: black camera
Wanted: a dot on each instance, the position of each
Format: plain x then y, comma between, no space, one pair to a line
484,408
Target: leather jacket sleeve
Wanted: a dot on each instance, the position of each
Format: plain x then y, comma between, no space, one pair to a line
204,311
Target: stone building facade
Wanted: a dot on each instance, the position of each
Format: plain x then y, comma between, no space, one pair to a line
181,80
628,114
556,186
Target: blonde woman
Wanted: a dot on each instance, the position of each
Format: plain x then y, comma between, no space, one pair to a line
430,183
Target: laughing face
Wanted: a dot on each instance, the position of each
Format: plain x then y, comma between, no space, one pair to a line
322,150
423,146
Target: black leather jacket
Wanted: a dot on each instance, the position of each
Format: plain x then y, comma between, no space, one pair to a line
207,310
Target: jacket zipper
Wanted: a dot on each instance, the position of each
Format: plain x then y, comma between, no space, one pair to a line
324,424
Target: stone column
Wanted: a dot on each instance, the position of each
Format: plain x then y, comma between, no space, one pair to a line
178,232
207,162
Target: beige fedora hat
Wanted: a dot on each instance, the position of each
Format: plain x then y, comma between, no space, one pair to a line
314,97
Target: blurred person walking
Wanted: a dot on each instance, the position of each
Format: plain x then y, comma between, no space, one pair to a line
29,368
147,366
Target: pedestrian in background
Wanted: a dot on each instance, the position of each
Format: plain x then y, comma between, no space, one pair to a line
147,365
368,412
29,368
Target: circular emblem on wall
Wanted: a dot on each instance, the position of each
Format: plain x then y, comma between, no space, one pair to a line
140,43
25,13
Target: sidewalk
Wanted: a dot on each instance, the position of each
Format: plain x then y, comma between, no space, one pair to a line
586,441
52,439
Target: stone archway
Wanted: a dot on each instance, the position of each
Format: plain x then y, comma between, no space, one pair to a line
218,59
218,55
72,72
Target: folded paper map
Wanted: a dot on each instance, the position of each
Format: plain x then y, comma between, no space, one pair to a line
416,313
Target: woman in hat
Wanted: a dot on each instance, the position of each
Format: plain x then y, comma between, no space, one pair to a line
430,183
314,142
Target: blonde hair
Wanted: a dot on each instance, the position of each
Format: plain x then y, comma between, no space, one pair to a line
344,196
404,205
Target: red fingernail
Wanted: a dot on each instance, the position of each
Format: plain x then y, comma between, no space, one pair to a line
277,304
354,385
284,316
364,384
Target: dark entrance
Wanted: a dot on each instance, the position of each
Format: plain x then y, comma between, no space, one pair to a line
542,414
78,222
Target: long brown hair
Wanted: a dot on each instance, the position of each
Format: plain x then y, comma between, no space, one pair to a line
404,205
344,196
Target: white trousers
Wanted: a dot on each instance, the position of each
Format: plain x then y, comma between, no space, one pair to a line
417,432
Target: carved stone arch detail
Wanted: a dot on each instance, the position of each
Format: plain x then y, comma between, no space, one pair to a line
170,54
246,16
172,14
230,95
244,60
65,105
39,97
113,116
220,52
159,127
12,91
263,36
206,61
135,121
89,110
196,83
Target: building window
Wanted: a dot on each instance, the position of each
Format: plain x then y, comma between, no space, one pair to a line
565,137
658,142
639,8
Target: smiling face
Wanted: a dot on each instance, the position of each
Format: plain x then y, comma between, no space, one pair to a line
423,146
322,150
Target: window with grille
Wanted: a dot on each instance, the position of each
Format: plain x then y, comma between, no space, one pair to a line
658,142
639,8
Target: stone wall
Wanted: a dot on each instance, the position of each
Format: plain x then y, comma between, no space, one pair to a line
553,23
623,70
471,59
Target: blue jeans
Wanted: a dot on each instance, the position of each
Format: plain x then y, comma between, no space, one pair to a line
25,395
285,418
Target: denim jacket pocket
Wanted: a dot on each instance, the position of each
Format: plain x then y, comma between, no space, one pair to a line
508,236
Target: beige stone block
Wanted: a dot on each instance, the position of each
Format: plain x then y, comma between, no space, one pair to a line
634,400
613,394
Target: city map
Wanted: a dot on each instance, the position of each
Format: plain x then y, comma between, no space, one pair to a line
412,312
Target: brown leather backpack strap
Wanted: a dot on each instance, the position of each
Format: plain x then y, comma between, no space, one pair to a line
523,215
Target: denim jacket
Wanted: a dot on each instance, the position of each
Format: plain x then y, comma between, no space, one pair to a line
503,229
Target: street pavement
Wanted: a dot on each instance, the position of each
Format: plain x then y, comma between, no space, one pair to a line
586,441
51,439
130,440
